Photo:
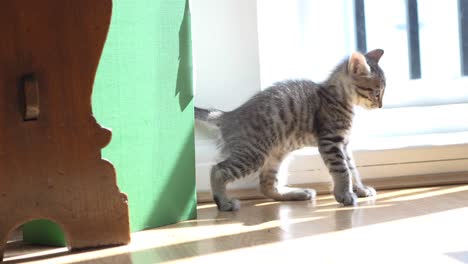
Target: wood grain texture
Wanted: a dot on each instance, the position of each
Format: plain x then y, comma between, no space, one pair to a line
51,168
31,98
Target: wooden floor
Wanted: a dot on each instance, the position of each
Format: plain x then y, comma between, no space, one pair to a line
425,225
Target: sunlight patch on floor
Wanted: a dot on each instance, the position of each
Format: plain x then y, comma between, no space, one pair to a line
403,226
394,193
200,221
265,204
351,208
168,237
44,252
361,202
408,240
429,194
206,206
152,239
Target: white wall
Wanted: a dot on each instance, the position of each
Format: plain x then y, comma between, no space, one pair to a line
226,64
225,50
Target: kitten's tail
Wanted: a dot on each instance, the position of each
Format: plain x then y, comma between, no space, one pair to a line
208,115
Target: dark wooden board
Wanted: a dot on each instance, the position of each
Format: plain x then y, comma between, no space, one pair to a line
50,143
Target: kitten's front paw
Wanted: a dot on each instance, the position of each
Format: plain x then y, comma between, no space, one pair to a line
227,205
346,198
364,191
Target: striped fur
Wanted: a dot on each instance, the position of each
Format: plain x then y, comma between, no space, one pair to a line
294,114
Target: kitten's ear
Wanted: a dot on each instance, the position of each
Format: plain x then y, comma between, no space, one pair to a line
357,64
375,55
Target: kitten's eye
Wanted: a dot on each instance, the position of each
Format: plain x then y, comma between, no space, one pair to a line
376,95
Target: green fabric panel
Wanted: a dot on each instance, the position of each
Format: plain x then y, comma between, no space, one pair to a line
143,92
34,232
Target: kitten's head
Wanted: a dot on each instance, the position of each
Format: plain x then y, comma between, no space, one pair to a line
367,78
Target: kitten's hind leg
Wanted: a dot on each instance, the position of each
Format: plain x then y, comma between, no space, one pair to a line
269,185
227,171
221,175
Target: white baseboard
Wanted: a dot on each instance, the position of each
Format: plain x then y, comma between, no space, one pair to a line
404,157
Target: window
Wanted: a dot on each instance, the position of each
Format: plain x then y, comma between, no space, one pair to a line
423,128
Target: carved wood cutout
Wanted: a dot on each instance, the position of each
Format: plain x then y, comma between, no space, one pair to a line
31,98
51,166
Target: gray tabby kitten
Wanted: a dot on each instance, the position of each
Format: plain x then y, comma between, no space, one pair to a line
294,114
